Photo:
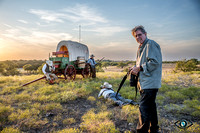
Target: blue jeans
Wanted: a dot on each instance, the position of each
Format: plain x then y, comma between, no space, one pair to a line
148,112
119,100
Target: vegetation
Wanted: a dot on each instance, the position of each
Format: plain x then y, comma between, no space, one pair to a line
187,65
74,106
8,68
11,67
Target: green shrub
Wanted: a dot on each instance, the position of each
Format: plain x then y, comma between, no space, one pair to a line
97,123
191,92
67,96
5,111
192,107
186,65
175,96
9,68
24,114
10,90
167,88
160,99
99,69
46,90
69,121
69,130
91,98
130,113
58,117
51,107
173,108
10,130
22,97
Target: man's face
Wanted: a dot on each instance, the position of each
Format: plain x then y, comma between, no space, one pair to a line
139,36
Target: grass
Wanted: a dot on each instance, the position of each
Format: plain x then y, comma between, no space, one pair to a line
98,122
24,109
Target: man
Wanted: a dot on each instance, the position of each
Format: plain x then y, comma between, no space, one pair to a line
108,93
47,69
149,69
92,62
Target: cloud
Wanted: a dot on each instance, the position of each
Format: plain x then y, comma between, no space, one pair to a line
7,25
114,51
84,13
107,30
78,13
31,36
48,16
22,21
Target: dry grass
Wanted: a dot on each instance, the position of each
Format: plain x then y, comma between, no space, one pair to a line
75,107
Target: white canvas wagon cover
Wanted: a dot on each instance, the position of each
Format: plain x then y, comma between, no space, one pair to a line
74,49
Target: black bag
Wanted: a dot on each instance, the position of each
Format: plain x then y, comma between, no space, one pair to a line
133,82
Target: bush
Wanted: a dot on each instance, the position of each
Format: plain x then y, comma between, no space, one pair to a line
69,121
97,123
175,96
9,68
130,113
5,111
187,66
69,130
10,130
99,69
193,107
122,64
191,92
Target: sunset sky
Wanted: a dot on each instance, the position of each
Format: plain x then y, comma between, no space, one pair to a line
31,29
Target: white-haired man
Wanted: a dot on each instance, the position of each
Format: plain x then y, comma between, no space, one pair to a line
149,69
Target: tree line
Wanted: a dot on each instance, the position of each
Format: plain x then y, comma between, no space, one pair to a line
11,67
35,66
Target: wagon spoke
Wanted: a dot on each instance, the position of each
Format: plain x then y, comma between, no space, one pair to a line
86,72
70,72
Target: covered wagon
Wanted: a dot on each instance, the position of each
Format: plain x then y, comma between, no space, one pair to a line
70,59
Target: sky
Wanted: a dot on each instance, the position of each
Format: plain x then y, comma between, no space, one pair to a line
31,29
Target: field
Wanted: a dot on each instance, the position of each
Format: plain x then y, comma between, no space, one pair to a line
74,107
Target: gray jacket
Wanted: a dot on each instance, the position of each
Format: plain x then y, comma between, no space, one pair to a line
150,58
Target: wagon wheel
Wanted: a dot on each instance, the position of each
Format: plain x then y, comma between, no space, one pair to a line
86,72
70,72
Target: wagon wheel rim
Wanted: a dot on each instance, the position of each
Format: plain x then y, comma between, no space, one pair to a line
86,72
70,72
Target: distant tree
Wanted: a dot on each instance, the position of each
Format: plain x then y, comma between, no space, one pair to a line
105,64
2,67
194,60
122,64
131,62
113,63
9,68
27,67
187,65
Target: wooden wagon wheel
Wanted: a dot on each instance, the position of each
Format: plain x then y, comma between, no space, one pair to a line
86,72
70,72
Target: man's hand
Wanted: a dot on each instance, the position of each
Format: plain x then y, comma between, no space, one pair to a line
135,70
